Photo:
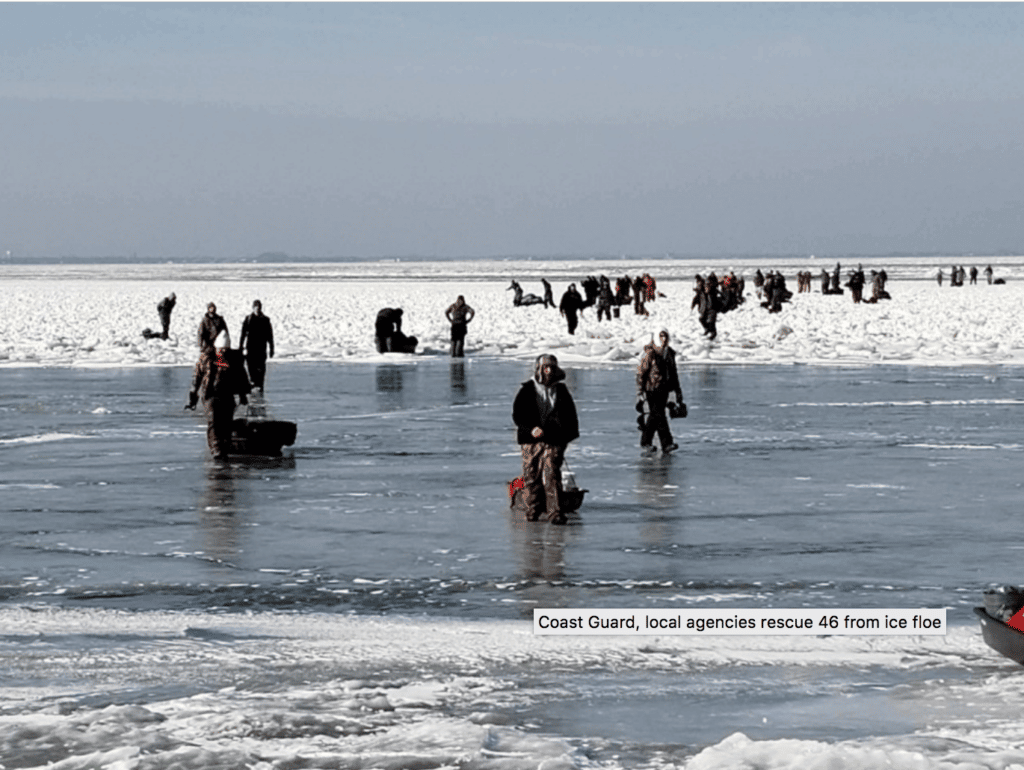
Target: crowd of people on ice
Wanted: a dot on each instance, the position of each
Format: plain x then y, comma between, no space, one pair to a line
957,275
543,407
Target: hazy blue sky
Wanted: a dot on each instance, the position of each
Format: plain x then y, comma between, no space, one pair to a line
340,129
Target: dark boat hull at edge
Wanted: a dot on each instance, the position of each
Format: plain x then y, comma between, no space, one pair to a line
1004,639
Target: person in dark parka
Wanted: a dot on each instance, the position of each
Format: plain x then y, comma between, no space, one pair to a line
570,306
164,309
218,377
258,332
546,421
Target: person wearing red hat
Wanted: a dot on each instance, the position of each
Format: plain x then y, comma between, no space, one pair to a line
218,377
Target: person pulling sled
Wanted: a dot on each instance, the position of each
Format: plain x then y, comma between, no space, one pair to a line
546,421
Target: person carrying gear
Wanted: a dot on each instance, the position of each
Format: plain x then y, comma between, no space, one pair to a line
656,379
218,377
258,332
546,421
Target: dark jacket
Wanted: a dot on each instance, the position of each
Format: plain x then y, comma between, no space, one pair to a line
164,308
209,328
657,372
389,321
560,425
571,302
259,333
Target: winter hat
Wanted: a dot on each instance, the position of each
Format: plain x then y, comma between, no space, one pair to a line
557,374
223,340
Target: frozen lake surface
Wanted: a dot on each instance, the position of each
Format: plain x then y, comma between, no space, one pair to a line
794,486
366,596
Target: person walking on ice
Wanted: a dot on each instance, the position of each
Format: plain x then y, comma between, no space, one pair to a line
218,377
656,379
546,421
258,332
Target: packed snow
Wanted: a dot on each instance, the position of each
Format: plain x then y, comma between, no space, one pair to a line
276,691
94,315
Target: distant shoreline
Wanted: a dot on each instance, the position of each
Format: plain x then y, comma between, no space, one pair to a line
285,259
526,270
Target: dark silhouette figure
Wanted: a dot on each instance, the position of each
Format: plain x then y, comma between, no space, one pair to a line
459,315
257,341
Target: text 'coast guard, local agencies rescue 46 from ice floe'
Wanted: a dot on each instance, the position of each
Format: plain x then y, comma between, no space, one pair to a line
741,622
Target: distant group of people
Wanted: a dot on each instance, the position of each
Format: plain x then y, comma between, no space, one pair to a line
220,376
598,292
711,297
772,290
389,337
957,276
857,281
772,286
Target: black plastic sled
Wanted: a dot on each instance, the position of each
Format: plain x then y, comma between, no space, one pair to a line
261,437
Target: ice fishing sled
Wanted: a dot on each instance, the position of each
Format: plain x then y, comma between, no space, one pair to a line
1001,605
570,499
256,435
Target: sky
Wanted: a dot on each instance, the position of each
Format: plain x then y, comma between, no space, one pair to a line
463,130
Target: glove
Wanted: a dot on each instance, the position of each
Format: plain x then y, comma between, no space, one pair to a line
193,399
676,410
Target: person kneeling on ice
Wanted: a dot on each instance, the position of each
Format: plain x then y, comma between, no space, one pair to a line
218,377
546,421
656,379
388,331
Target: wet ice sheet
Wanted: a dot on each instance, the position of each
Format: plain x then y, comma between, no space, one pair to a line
793,487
